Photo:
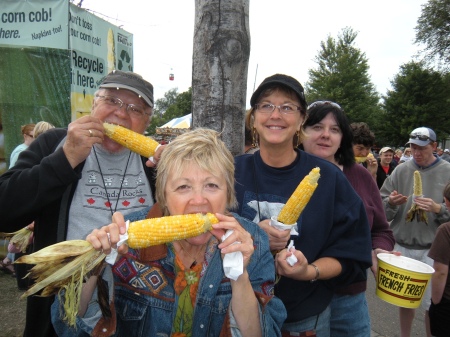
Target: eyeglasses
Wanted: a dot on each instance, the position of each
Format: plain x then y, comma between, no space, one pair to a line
320,103
132,109
420,137
285,109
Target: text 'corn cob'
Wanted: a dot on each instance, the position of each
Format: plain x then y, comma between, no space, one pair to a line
151,232
415,211
145,146
298,200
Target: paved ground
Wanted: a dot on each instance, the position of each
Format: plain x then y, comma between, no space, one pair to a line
384,316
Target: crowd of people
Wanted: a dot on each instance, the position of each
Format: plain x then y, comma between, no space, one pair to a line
74,182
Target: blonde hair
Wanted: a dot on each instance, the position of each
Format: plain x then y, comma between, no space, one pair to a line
202,147
41,127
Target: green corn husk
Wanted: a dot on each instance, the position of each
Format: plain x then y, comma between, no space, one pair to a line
20,238
62,266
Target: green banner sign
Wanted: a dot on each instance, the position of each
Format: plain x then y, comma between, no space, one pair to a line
53,56
34,23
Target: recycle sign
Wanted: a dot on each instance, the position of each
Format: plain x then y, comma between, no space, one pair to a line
124,61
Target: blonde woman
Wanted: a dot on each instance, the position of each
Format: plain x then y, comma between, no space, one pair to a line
41,127
189,294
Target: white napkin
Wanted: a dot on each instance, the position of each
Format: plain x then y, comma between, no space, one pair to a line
153,159
291,259
233,263
281,226
123,238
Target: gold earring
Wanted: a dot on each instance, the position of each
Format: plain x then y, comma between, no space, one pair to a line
298,137
254,138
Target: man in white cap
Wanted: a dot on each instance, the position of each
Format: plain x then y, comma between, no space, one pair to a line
72,180
446,155
386,165
414,238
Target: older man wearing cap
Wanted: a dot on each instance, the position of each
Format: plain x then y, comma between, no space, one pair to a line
386,165
414,238
72,180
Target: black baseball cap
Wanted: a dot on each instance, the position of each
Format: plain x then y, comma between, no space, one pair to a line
280,80
129,81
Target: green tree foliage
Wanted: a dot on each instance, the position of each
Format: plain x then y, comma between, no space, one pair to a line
172,105
342,76
433,30
420,97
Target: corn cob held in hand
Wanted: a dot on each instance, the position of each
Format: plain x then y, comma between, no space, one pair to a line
361,160
64,266
145,146
298,200
415,211
151,232
20,238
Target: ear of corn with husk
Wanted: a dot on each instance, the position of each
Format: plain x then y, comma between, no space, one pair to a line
63,266
298,200
415,211
145,146
20,238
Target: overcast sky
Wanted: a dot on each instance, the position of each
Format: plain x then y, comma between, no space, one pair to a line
163,36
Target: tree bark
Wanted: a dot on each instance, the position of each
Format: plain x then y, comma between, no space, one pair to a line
219,70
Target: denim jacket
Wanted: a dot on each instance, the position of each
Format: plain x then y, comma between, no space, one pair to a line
145,300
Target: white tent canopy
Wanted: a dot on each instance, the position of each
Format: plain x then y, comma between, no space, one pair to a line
183,122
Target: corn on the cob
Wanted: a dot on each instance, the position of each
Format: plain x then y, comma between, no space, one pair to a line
417,184
64,265
154,231
415,211
361,160
145,146
298,200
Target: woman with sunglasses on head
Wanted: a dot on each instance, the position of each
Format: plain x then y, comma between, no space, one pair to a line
328,135
329,224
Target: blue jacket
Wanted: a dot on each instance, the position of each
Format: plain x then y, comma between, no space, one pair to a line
145,300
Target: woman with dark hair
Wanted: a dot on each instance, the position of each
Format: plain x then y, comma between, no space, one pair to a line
328,135
333,219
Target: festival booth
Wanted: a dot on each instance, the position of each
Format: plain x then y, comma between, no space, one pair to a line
173,128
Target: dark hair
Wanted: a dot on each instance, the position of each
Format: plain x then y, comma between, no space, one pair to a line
362,134
344,155
447,192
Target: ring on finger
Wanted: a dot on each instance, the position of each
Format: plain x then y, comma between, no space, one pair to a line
91,134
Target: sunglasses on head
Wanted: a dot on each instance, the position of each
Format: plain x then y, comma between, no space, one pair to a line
320,103
420,137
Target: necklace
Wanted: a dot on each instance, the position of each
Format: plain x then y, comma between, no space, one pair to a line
193,264
104,185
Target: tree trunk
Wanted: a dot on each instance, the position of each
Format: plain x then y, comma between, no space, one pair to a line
219,69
